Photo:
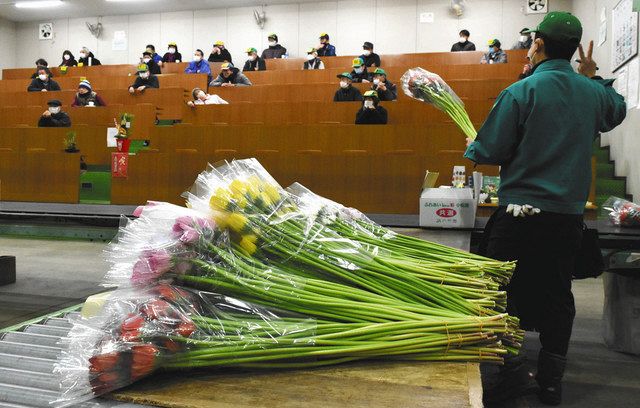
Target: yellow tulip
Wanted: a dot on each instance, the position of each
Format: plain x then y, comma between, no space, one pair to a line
220,199
237,221
238,187
272,192
248,244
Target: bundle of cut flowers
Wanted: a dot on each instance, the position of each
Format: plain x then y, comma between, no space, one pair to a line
622,212
430,88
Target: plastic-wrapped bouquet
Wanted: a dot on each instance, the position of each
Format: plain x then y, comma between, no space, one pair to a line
430,88
622,212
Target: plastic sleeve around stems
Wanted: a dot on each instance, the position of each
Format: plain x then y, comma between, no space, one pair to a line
622,212
141,330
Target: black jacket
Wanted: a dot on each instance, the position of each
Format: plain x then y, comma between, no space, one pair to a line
37,85
377,116
313,64
60,119
154,68
85,61
151,82
224,56
169,57
361,76
251,65
465,46
277,51
391,94
349,94
371,59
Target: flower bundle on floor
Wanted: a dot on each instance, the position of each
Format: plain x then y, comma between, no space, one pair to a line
430,88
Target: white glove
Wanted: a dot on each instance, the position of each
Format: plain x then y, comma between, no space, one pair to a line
522,210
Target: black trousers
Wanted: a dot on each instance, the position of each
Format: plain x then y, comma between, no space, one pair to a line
545,246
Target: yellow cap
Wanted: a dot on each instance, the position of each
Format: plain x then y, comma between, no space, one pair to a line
174,44
219,43
357,62
226,65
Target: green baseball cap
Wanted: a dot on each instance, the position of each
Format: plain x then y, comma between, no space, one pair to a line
380,71
560,26
345,75
251,50
370,94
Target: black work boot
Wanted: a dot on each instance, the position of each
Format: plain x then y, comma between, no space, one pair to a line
550,371
513,380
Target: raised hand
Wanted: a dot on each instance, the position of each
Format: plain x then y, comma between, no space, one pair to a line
587,65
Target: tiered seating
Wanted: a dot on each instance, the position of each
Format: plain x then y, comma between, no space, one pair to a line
287,120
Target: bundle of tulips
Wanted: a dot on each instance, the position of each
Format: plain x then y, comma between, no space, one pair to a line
367,292
430,88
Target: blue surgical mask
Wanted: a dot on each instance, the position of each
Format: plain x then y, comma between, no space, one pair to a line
492,49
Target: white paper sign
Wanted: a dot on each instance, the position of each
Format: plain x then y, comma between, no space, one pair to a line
427,17
633,75
621,82
119,42
111,137
624,34
45,31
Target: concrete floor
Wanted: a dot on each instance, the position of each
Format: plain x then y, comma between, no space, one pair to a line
56,274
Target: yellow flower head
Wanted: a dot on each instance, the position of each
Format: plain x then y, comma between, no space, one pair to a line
220,199
238,188
236,221
272,192
248,244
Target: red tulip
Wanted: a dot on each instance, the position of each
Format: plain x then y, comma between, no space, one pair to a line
185,329
104,362
143,360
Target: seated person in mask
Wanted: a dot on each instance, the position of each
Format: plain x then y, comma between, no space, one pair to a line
54,117
43,82
151,49
154,68
275,50
86,96
68,60
347,92
200,97
325,49
371,112
387,91
144,80
172,54
313,62
41,63
463,44
230,76
360,73
495,55
525,40
219,53
254,63
370,58
199,65
87,59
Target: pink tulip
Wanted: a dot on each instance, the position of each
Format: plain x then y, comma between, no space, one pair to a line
189,229
151,266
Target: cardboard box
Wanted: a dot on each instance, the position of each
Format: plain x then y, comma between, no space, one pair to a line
447,208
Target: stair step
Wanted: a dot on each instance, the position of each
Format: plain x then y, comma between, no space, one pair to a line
611,187
605,170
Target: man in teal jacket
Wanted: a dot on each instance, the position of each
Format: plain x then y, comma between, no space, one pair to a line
540,131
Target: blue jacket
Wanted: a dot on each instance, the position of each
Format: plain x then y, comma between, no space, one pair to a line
201,67
327,51
156,57
541,131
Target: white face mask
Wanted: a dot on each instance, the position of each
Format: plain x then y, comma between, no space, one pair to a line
197,58
83,55
523,38
172,50
54,109
253,57
376,81
368,104
66,57
146,60
532,53
359,70
344,84
463,40
42,77
366,52
202,95
310,57
272,43
144,75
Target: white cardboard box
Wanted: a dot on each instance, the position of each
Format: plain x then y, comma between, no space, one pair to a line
447,208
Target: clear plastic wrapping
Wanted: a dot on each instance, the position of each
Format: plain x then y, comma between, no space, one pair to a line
622,212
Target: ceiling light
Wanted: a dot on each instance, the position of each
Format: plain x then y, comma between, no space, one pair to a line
38,4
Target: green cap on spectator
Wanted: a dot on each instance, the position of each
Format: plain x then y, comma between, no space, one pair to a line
143,68
357,62
560,26
380,71
345,75
251,50
370,94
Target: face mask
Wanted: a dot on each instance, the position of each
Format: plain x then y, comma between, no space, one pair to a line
523,38
83,55
253,57
310,57
202,95
42,77
376,81
146,60
272,43
344,84
368,104
144,75
366,52
54,109
359,70
532,53
492,49
67,57
197,58
462,40
172,50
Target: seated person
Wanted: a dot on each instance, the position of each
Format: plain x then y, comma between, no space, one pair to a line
54,116
495,55
524,41
144,80
219,53
151,49
254,63
200,97
387,91
230,76
154,68
172,54
86,96
199,65
463,44
325,49
370,58
41,63
313,62
68,60
347,92
43,83
275,50
371,112
87,59
360,73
